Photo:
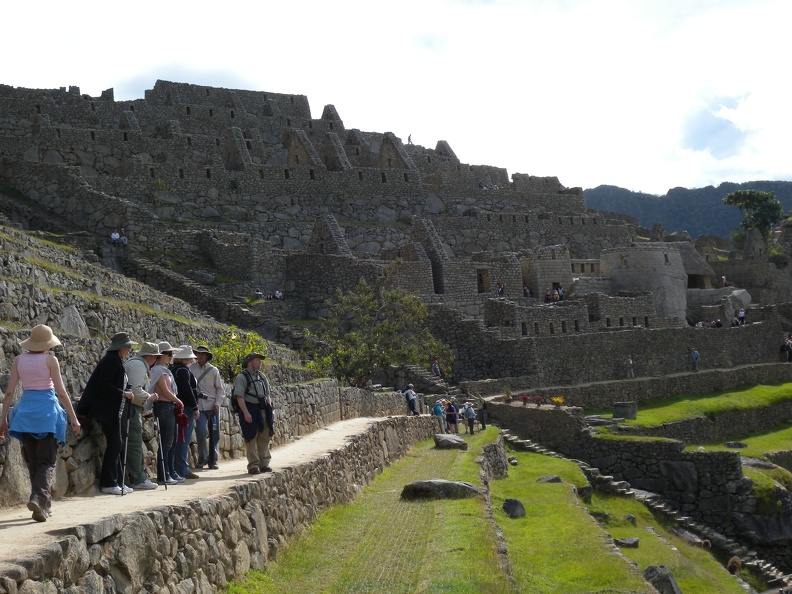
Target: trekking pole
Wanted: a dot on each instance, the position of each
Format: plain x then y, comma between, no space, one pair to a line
126,448
121,436
161,455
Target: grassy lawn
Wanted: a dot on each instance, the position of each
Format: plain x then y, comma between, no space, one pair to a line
695,570
779,438
383,544
682,406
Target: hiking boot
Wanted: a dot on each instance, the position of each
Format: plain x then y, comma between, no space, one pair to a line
39,513
214,467
254,471
266,469
191,475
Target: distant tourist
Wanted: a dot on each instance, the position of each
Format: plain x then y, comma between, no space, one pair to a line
741,316
438,413
435,368
451,416
122,238
411,398
628,366
470,416
37,419
694,359
115,237
481,410
278,294
409,139
258,294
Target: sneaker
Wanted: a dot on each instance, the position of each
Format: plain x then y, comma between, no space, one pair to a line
39,514
112,490
177,479
214,467
254,471
127,490
146,485
169,481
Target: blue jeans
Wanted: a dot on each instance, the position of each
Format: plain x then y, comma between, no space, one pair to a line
208,455
183,449
167,437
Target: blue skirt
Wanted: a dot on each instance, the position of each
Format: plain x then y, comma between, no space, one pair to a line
39,413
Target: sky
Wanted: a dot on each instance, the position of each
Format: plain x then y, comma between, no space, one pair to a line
644,94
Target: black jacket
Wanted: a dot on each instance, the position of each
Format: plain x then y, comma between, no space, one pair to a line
186,385
101,398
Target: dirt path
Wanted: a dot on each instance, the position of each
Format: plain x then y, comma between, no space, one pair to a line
19,534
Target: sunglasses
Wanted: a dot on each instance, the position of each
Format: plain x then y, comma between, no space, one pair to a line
167,353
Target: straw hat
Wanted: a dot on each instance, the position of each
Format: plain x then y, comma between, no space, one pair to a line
165,346
250,357
41,339
184,352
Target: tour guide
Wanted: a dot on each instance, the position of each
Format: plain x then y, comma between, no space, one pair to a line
254,406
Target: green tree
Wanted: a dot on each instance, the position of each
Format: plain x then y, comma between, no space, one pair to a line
232,346
760,210
370,328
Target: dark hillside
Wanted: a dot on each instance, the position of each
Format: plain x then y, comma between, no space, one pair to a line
698,211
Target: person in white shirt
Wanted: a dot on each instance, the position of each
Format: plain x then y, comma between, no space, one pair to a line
212,392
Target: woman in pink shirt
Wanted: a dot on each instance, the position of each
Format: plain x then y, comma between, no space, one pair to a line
37,420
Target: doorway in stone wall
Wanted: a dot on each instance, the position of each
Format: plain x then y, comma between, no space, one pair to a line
483,280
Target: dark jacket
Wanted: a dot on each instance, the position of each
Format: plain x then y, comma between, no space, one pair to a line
101,398
186,385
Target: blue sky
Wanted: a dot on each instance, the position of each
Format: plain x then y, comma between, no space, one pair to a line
643,94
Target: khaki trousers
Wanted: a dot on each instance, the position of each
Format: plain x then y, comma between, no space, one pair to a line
257,450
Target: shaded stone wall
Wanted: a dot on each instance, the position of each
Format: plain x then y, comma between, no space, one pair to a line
200,546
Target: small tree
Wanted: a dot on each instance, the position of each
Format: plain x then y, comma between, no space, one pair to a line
370,328
231,348
760,210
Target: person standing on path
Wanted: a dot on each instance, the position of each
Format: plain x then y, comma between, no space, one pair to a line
165,412
253,403
137,369
105,399
210,396
470,416
694,359
409,394
187,390
37,420
629,364
481,410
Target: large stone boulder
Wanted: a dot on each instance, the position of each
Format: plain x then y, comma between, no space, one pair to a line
662,579
514,508
449,442
440,489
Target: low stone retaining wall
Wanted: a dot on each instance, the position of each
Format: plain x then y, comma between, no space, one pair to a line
721,427
201,545
603,395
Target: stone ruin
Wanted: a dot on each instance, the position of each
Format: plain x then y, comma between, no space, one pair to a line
250,185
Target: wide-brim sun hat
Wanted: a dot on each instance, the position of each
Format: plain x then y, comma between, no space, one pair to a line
120,340
184,351
250,357
165,346
147,349
41,339
205,350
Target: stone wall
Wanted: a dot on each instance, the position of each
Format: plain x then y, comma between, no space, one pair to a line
201,546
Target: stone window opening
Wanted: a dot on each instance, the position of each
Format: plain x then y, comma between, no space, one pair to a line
577,326
288,122
624,260
607,323
390,164
151,171
331,125
93,135
285,174
583,221
406,177
297,159
131,108
207,92
249,145
552,329
552,255
384,178
211,112
526,218
93,107
571,221
57,132
232,114
261,173
291,100
525,329
563,327
360,175
217,141
646,322
38,108
500,218
621,322
189,141
592,267
560,221
126,136
514,218
483,281
357,151
311,174
310,125
665,256
536,328
181,173
208,174
594,221
188,110
635,321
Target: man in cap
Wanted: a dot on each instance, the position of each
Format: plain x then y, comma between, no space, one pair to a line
409,394
253,403
211,393
137,370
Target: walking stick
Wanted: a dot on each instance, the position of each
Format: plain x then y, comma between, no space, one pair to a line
121,437
126,448
161,455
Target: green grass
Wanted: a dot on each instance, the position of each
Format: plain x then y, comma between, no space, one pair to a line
683,406
383,544
776,439
557,547
764,481
695,570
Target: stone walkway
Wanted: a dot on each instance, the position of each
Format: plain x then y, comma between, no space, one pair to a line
19,534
